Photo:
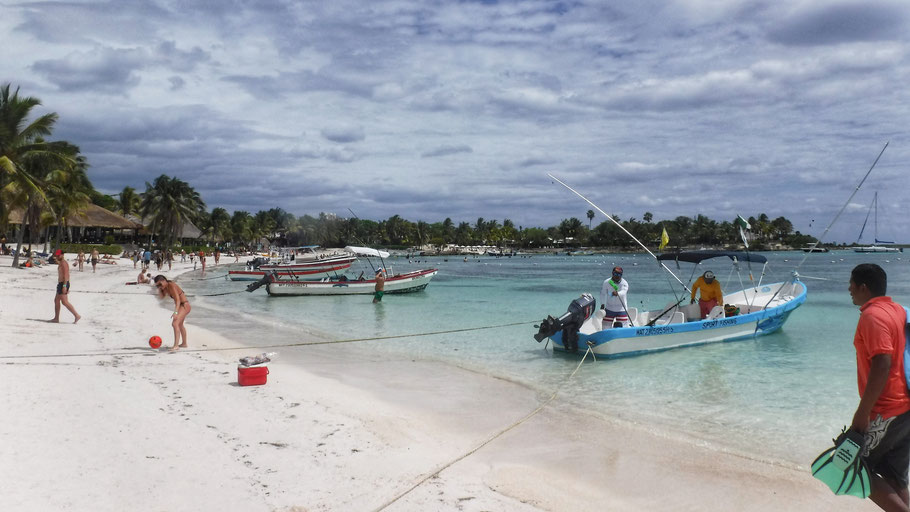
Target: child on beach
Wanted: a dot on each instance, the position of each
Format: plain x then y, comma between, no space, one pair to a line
181,308
63,288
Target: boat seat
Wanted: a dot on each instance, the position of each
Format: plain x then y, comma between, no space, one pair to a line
692,312
633,315
676,318
716,312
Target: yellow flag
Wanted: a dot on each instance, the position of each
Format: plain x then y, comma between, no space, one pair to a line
664,240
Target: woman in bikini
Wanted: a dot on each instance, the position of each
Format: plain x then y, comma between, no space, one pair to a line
181,308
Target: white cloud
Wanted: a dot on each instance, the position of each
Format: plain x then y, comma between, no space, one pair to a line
742,100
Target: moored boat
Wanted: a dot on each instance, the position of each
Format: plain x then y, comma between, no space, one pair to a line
300,261
341,284
754,311
402,283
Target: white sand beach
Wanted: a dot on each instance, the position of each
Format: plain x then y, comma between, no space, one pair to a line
96,420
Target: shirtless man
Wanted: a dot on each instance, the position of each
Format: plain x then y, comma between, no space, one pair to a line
143,278
379,291
94,259
181,308
63,288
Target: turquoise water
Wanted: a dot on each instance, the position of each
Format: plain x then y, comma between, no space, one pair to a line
786,393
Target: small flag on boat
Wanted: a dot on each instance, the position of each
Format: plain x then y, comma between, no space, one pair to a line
664,240
743,226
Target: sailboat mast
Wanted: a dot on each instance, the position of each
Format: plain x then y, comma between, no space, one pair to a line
875,219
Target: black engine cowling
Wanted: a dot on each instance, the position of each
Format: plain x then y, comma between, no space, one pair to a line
569,323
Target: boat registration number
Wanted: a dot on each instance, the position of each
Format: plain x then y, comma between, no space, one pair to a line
647,331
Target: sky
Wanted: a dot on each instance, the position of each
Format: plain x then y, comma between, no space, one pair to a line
435,109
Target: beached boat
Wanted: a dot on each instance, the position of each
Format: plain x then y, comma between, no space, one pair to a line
758,310
311,272
365,284
307,261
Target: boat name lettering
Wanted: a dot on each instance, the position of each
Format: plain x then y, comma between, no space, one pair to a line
647,331
718,323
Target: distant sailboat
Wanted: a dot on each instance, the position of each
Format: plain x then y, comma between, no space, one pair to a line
874,247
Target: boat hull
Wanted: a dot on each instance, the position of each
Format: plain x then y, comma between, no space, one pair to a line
637,340
877,248
404,283
317,272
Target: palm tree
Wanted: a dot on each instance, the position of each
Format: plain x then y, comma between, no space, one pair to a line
22,150
242,227
68,191
167,204
130,201
590,217
220,222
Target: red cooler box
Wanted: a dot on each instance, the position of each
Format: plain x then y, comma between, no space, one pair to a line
252,375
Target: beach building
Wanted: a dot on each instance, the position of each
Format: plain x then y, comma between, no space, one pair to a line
91,225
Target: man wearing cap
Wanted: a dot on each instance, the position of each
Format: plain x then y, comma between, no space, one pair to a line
63,288
379,291
710,293
613,299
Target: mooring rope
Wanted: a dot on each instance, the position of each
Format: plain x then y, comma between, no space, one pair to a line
103,292
282,345
489,440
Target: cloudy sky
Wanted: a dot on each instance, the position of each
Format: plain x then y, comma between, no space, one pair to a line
434,109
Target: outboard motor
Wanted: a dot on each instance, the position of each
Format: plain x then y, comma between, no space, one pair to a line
255,286
579,310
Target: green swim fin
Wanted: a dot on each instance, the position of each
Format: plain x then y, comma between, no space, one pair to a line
842,468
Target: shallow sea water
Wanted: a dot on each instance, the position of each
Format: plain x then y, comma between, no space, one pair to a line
780,397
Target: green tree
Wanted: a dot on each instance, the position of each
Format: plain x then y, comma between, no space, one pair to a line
129,201
22,152
167,204
590,217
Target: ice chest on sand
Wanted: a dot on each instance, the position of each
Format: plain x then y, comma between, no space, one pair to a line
252,375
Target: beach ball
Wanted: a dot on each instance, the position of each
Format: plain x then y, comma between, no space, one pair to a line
155,341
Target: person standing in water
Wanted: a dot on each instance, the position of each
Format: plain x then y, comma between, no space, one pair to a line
63,288
181,308
379,290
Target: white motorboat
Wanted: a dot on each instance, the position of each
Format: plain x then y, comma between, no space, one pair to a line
755,311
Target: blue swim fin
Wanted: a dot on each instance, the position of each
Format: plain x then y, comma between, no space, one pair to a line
842,468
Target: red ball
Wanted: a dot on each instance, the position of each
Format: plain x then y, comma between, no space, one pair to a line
155,341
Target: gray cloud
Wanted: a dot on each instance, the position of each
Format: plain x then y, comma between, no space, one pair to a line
102,69
828,23
446,150
344,134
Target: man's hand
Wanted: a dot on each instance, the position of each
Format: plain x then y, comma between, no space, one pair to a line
860,422
692,301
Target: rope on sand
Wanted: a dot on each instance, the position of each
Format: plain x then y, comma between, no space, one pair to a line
283,345
489,440
132,293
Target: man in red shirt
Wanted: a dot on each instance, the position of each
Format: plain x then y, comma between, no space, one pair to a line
882,413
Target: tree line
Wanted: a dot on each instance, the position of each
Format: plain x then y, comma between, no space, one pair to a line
48,181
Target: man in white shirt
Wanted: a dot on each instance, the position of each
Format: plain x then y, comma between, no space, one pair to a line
613,299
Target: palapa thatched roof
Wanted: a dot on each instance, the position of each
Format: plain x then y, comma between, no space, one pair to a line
93,216
188,230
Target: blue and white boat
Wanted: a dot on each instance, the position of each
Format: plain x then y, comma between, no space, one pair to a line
755,311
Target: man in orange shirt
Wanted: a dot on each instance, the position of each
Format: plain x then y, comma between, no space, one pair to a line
883,414
710,293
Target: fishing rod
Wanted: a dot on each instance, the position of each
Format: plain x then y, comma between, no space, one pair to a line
844,207
622,228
